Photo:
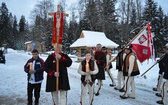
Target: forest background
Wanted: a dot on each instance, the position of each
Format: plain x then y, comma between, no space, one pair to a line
120,23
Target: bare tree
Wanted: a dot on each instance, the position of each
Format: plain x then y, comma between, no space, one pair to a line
42,8
139,10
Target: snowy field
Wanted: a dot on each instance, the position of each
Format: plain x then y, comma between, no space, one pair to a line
13,84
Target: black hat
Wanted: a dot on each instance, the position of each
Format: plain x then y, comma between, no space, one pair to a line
128,47
104,48
119,47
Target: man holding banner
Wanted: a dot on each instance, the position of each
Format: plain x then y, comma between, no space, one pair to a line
56,64
62,75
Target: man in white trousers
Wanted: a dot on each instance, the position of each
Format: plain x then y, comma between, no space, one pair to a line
130,70
87,68
62,75
119,64
107,51
165,81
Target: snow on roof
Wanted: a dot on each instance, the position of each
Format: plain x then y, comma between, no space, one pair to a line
92,38
28,42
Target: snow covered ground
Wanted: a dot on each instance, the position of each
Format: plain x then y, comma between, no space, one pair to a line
13,84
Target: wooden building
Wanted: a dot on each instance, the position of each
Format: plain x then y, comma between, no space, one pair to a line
89,39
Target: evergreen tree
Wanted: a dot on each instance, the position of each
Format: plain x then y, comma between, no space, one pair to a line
15,32
110,19
66,42
84,24
73,32
10,39
22,32
165,29
150,14
4,23
91,17
159,29
134,27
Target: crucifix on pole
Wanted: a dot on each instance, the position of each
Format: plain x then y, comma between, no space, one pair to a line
58,24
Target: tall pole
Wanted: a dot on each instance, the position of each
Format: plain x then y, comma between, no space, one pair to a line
57,35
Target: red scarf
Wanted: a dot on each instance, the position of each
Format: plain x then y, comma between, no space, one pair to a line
98,52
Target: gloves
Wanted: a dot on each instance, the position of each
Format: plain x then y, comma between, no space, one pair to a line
56,74
164,80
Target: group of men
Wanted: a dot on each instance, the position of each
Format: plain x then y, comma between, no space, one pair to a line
91,68
100,61
162,83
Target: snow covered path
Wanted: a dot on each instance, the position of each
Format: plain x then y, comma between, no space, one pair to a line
13,84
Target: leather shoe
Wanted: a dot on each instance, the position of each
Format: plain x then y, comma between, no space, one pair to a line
121,90
97,94
154,89
159,102
116,88
158,94
112,85
123,97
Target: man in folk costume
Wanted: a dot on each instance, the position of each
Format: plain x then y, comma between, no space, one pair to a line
56,64
50,68
161,72
165,81
100,59
87,68
130,70
107,51
119,64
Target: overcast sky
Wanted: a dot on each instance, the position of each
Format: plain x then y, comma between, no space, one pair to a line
23,7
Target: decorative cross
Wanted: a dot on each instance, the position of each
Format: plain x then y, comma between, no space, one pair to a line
57,35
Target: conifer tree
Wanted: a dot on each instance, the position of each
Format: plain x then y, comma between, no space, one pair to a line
4,23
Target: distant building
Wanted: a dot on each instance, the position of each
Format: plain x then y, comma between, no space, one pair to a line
30,45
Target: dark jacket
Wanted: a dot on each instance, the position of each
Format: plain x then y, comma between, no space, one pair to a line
100,58
166,66
50,68
161,66
119,60
39,68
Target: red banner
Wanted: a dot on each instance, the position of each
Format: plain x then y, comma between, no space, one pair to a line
58,28
150,43
140,46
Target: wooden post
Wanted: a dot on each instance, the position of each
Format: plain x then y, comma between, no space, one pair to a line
58,33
